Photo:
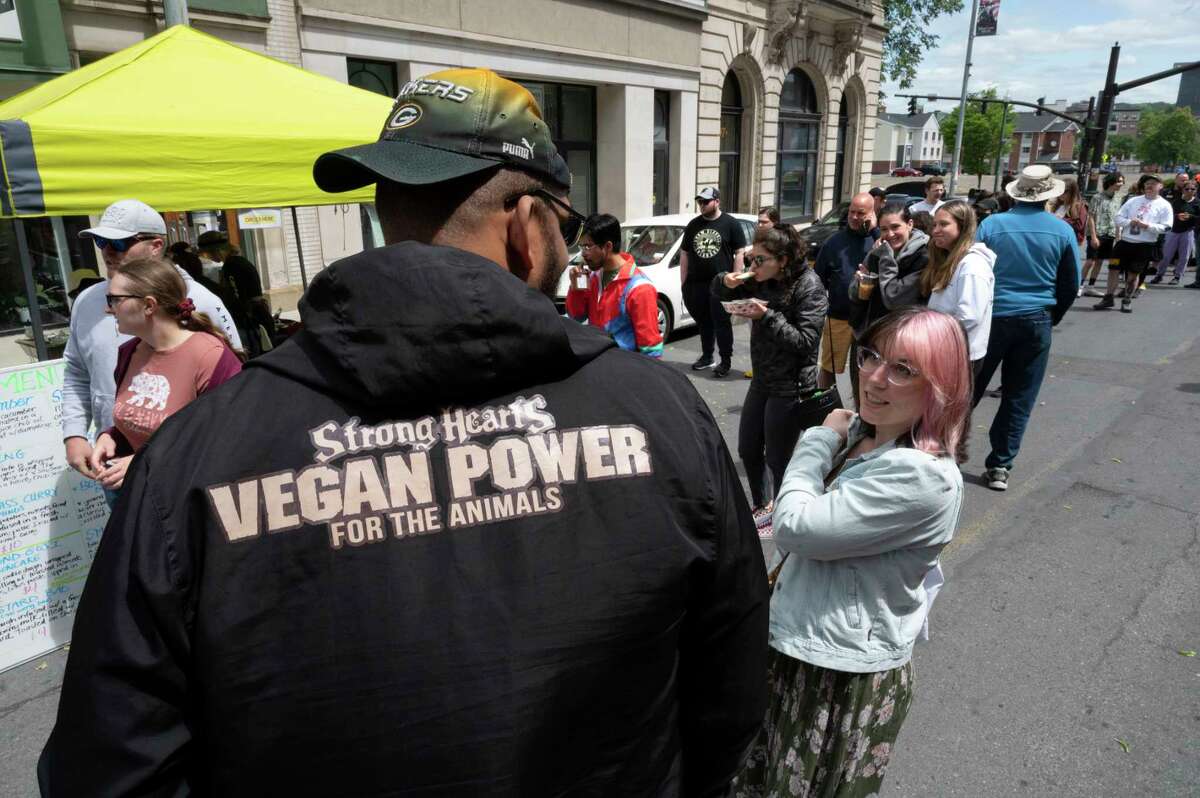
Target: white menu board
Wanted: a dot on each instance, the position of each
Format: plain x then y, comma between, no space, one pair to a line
51,517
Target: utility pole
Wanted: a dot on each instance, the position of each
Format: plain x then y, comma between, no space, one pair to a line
1107,97
175,12
962,102
1000,150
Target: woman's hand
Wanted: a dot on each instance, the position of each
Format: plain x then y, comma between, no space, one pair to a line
839,421
731,280
113,477
1095,243
753,311
104,451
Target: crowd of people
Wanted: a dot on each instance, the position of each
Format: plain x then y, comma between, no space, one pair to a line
469,546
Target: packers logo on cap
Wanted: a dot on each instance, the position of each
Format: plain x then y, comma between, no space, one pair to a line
406,116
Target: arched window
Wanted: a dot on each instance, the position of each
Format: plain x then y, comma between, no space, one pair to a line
731,141
839,163
799,136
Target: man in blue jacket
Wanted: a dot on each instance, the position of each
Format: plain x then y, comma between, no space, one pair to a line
1037,273
836,264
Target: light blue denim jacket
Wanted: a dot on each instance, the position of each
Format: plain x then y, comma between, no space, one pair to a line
850,596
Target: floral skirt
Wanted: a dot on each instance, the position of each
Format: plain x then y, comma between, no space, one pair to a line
828,734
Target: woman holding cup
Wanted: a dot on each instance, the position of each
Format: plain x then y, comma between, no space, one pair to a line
890,277
786,304
959,279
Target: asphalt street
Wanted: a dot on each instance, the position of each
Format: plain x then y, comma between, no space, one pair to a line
1054,667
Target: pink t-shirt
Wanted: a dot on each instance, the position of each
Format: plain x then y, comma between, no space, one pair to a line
159,383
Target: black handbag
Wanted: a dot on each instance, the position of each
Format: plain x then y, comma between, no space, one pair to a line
812,409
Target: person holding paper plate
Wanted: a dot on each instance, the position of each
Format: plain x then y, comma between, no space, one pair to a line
868,502
176,354
786,303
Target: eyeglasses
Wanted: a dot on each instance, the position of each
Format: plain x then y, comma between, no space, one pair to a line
120,244
112,300
898,374
571,227
759,260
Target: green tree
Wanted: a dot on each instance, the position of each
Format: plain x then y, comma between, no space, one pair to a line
1170,137
981,136
1120,146
908,37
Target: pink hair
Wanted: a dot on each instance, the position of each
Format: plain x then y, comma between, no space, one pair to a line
936,345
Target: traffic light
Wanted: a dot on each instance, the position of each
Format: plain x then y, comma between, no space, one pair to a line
983,107
912,106
1041,102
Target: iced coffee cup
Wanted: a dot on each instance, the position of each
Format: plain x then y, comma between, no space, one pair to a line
866,285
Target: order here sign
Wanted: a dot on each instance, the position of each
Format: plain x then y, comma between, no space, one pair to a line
260,219
51,517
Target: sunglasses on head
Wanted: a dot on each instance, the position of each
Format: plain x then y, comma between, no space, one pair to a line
119,244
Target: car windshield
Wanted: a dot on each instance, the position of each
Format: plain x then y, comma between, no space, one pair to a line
650,244
836,215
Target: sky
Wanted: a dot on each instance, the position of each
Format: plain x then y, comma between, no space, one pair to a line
1059,49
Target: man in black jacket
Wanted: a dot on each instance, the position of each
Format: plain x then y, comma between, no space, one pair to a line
443,541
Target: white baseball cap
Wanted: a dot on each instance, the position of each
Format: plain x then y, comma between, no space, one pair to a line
125,219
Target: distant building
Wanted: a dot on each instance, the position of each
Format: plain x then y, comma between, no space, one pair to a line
1124,119
1041,139
902,140
1189,91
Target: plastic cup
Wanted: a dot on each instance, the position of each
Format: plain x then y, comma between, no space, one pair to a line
866,285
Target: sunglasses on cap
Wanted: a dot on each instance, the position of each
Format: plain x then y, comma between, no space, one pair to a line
120,244
571,227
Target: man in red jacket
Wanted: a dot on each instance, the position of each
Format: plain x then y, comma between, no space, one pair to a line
619,298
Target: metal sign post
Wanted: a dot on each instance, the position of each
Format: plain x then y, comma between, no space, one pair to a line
962,103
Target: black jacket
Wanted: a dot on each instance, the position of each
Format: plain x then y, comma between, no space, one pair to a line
442,542
785,341
838,261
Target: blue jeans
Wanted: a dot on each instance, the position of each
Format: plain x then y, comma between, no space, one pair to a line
1020,347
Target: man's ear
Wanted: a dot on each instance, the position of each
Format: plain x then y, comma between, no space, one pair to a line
524,241
158,245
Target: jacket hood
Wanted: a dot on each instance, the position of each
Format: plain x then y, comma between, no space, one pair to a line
980,250
917,241
414,326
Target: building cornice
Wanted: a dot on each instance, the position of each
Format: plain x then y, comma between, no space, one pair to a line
134,8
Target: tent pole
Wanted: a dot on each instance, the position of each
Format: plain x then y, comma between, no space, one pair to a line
175,12
64,253
299,249
35,312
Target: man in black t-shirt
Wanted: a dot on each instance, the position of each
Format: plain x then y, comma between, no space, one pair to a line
712,243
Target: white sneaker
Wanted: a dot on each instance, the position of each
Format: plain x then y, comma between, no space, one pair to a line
1080,291
997,478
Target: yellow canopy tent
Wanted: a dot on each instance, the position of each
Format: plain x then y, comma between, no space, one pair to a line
182,121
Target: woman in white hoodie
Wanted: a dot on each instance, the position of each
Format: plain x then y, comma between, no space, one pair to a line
958,279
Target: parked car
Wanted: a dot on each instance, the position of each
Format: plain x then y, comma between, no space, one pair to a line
905,171
654,243
820,231
933,169
1061,167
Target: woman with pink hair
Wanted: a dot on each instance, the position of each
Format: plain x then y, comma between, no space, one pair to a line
867,504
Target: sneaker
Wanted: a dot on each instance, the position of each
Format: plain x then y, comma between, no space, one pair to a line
1192,285
1126,305
1174,281
1080,291
1157,279
722,369
1104,304
1143,286
762,520
1091,282
997,478
705,362
1092,292
748,374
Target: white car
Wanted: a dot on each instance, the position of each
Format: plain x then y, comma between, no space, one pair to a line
654,243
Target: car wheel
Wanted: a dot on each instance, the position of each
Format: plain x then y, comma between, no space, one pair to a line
665,322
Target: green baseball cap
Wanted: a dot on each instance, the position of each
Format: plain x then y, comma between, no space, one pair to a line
447,125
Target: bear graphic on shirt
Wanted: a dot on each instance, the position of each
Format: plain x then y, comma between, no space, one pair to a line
150,391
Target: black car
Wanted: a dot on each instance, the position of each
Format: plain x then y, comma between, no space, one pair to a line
933,169
820,231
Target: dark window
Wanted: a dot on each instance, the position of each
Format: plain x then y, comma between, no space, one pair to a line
730,147
839,164
662,151
799,140
570,112
376,76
